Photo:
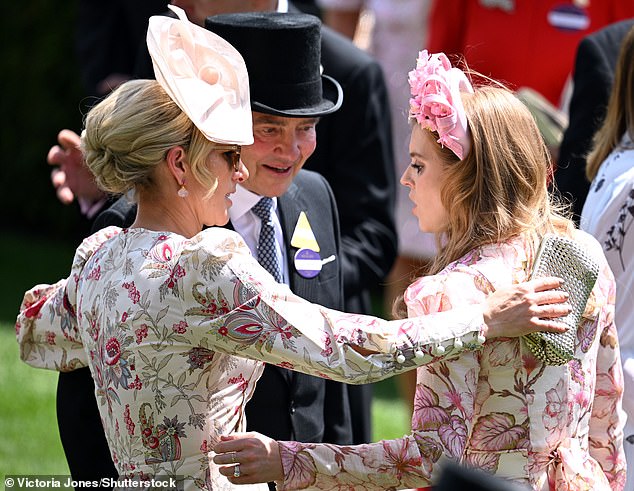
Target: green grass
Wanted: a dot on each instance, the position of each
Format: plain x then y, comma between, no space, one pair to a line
391,414
29,439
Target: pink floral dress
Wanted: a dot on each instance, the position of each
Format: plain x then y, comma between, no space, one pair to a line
499,409
166,325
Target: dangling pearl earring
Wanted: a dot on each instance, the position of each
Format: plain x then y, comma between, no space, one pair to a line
182,192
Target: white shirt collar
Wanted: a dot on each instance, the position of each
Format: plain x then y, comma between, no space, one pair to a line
243,200
248,225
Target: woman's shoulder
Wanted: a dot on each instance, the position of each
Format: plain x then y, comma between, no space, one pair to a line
212,250
593,247
217,241
163,246
501,263
92,243
218,255
585,239
589,244
97,238
470,278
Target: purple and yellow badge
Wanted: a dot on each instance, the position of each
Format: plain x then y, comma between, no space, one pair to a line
307,260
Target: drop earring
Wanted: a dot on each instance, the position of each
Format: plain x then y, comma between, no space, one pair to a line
182,192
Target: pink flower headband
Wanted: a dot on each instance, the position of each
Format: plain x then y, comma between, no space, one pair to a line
436,103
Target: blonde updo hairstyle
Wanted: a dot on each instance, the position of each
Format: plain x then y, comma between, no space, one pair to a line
499,190
128,134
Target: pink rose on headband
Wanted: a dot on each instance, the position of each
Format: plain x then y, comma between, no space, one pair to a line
437,104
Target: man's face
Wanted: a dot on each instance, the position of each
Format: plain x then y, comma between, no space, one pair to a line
281,147
198,10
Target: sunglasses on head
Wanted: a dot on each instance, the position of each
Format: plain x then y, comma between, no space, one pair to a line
232,154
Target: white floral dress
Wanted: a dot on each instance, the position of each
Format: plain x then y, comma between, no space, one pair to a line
608,214
499,409
159,319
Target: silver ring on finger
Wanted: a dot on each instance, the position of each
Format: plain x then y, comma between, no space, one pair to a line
236,470
233,458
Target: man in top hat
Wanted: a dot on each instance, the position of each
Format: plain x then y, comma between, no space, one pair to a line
288,218
355,155
288,96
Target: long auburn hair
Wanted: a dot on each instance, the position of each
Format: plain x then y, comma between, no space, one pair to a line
619,117
500,189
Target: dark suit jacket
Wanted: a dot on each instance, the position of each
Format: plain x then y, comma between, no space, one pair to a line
355,154
593,79
288,405
285,405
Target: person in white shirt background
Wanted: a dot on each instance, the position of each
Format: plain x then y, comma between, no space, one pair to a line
608,214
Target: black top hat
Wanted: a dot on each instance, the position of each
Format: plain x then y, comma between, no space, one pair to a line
282,52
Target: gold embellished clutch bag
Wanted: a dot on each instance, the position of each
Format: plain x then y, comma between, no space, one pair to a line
566,259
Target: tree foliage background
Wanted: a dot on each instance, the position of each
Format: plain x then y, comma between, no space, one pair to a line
40,94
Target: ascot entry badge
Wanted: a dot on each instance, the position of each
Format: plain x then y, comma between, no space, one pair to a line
303,237
307,260
308,263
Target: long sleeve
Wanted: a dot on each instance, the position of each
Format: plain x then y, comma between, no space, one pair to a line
47,331
46,327
607,419
485,408
271,324
165,322
261,319
393,464
411,461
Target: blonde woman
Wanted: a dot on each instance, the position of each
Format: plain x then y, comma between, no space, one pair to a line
478,180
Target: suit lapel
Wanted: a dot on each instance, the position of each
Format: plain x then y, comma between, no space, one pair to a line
290,205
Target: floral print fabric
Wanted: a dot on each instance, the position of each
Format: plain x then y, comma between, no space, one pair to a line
159,319
499,409
608,215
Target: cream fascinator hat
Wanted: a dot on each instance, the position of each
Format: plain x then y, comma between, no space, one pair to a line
204,75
